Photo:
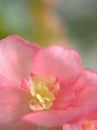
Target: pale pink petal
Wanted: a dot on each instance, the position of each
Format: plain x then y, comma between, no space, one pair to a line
52,117
16,55
86,93
56,61
13,103
71,127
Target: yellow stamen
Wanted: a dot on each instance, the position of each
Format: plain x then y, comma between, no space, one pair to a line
42,96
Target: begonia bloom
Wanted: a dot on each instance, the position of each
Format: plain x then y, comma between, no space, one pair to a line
43,86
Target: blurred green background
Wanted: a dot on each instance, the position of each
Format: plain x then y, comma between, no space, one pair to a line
54,22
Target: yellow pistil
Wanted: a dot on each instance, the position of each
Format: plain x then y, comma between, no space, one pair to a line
42,92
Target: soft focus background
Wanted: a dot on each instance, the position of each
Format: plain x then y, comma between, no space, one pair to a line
72,23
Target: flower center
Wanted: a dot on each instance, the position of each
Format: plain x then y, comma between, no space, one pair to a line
42,92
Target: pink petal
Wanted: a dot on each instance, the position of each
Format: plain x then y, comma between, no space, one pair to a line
52,117
56,61
16,55
71,127
13,103
63,100
19,125
93,116
86,93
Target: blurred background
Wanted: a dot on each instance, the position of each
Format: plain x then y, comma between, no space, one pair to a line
70,23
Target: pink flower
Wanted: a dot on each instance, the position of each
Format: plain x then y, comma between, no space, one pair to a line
43,86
